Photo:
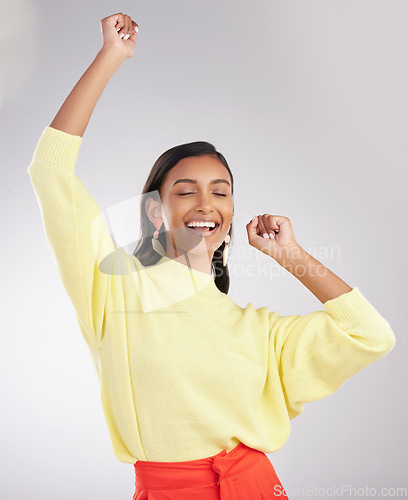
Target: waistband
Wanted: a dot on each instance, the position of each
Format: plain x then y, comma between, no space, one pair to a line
203,471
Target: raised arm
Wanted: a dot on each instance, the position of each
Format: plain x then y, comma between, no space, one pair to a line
119,42
76,232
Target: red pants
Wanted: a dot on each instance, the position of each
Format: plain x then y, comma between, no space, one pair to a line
241,474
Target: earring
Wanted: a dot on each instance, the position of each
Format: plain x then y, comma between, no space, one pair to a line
225,251
157,246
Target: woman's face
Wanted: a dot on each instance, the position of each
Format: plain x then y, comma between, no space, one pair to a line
207,196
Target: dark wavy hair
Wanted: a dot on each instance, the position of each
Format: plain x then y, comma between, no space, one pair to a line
144,251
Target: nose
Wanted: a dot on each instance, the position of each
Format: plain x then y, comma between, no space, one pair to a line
204,203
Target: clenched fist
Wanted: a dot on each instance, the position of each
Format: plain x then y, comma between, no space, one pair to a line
273,235
119,34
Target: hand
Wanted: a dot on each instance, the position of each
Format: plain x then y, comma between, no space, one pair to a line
281,244
119,34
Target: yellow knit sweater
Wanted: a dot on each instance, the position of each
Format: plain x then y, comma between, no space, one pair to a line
184,371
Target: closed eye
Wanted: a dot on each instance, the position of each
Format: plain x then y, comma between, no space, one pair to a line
218,194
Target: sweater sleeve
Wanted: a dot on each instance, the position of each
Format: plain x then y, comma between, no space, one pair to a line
315,354
76,232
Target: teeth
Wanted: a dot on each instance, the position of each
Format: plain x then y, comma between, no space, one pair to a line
201,224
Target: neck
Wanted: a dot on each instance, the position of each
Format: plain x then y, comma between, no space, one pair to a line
198,261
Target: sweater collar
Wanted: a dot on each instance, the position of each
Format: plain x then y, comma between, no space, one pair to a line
170,282
184,275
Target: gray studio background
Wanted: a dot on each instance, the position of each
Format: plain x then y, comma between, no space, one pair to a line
307,101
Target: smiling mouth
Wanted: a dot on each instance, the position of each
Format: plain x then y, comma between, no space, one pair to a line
203,230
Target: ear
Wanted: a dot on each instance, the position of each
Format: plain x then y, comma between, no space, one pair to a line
152,209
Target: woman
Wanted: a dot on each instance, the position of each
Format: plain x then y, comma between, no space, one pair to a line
195,389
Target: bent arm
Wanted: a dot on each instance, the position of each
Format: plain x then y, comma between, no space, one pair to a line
317,353
323,283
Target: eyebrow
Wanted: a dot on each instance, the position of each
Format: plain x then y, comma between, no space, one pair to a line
193,181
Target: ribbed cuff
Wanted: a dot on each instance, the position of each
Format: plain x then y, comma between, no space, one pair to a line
58,147
350,309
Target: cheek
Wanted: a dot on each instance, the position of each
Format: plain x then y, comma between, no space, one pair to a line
175,212
230,209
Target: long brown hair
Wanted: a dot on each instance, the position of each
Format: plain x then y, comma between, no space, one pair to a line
144,251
